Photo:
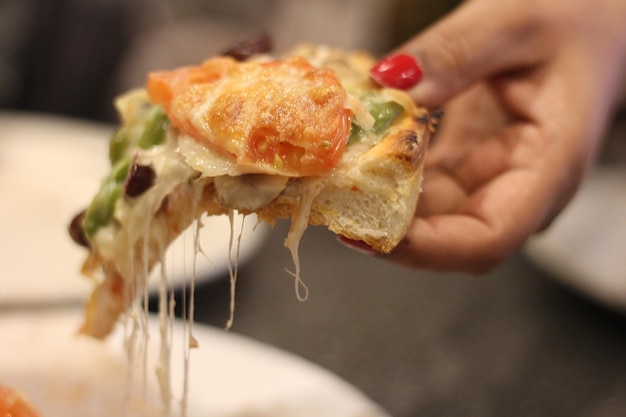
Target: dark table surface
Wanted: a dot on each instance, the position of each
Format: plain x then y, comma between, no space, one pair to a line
509,343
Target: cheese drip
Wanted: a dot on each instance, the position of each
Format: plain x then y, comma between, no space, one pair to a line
299,224
233,269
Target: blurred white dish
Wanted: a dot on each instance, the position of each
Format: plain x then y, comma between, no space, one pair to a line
586,246
49,170
230,374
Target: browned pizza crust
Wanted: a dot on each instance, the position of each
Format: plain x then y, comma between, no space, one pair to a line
373,198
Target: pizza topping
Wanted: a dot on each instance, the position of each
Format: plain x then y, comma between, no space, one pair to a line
145,126
384,114
155,126
356,134
249,192
102,207
279,117
77,233
119,144
140,178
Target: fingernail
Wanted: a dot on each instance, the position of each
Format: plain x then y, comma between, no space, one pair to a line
398,71
357,245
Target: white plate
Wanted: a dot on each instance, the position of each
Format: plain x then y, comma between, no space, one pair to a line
68,376
49,170
586,246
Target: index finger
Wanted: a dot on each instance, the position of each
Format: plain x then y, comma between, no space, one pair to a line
467,46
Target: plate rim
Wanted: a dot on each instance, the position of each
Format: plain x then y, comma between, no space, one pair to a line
328,385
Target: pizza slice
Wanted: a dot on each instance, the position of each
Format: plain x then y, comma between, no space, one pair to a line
307,137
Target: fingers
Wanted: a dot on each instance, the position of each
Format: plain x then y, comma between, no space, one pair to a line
470,118
441,193
472,232
450,243
495,178
490,226
456,52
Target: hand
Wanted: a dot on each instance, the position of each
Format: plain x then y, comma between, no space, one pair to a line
527,87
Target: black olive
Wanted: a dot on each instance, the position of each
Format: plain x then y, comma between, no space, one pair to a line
77,231
140,178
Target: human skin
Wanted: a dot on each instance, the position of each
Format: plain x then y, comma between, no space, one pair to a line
528,87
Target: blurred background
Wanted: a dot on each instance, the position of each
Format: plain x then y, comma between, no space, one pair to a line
72,57
519,341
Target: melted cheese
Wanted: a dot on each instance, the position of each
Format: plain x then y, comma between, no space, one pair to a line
283,117
205,159
249,192
299,223
233,265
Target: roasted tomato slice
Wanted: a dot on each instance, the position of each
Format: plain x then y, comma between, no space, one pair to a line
278,117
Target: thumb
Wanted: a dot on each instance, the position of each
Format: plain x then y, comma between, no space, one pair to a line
479,40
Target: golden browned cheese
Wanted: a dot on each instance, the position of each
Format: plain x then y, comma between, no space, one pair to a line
283,117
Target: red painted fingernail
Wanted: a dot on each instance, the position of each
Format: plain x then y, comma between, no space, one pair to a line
357,245
398,71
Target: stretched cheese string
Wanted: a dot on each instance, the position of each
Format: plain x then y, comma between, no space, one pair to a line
299,224
165,320
136,331
188,320
232,271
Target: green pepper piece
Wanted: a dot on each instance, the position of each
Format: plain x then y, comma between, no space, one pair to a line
384,114
119,144
120,170
154,128
356,134
102,207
